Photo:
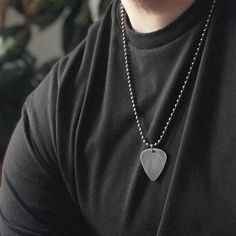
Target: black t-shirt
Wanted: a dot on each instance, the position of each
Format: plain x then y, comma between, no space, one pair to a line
72,166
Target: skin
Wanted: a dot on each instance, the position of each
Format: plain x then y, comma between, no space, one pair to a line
150,15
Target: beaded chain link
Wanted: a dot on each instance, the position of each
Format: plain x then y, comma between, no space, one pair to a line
131,88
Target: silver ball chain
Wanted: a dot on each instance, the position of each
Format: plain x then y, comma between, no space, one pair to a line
128,74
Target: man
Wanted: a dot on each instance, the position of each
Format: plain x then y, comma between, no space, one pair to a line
133,133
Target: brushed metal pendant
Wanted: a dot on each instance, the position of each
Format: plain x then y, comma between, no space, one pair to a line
153,162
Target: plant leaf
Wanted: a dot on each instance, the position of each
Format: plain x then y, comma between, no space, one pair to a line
13,42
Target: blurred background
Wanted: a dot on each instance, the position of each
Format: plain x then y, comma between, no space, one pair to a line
34,34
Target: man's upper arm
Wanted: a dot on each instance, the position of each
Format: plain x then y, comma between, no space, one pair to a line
33,196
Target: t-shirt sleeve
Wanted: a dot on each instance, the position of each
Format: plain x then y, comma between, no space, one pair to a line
34,199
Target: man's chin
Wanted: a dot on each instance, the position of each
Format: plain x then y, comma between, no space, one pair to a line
147,4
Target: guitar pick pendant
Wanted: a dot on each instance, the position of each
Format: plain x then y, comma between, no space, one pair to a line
153,162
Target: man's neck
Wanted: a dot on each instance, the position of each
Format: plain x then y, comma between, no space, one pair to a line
159,14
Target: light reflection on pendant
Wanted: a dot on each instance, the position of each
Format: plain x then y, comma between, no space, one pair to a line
153,162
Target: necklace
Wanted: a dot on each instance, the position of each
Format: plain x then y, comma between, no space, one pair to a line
152,158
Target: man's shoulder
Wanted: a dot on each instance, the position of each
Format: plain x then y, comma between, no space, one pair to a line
71,67
82,57
63,89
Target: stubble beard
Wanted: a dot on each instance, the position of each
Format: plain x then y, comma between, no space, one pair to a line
147,4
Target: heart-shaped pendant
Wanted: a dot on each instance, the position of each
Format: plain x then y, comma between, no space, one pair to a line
153,162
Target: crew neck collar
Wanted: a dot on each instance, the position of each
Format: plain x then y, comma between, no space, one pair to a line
197,12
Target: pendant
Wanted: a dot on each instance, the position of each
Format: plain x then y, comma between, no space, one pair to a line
153,162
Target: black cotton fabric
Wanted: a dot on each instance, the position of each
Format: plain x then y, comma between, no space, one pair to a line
72,166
